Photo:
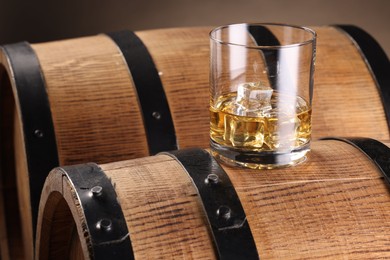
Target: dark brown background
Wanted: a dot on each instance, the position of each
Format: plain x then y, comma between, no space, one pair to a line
47,20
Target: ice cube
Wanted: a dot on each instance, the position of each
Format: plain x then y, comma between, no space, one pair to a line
301,105
253,99
281,131
244,133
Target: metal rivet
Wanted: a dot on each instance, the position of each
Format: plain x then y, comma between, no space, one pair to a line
212,178
156,115
97,191
104,224
38,133
224,212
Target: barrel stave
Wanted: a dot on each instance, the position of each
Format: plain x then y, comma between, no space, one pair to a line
334,205
96,112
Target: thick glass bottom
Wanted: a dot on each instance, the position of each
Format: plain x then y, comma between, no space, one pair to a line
258,160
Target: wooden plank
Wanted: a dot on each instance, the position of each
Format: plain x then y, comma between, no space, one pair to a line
93,101
162,210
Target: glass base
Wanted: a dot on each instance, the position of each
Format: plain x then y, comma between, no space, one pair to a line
258,160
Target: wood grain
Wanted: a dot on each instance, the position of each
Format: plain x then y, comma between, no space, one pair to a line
167,221
93,102
58,236
335,205
332,206
187,88
346,100
97,118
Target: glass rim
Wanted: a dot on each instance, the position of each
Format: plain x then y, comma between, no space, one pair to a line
304,28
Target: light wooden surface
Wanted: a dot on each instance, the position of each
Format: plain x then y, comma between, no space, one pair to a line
97,118
59,226
93,102
346,100
335,206
169,215
182,57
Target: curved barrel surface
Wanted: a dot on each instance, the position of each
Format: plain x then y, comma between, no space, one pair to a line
97,115
334,205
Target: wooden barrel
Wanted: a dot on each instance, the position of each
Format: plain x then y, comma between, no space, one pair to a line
184,205
114,97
